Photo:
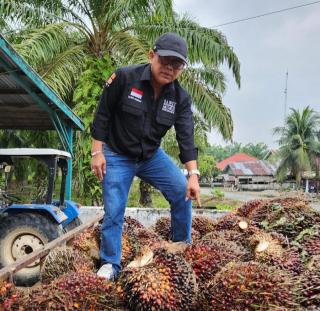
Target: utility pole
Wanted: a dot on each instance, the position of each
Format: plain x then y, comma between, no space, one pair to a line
286,97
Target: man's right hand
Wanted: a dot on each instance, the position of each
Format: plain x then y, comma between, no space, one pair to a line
99,165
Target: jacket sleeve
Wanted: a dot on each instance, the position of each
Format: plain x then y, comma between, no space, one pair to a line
184,127
108,100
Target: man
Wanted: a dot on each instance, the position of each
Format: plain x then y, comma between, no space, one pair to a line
137,107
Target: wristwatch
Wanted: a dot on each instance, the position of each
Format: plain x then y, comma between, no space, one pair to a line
194,171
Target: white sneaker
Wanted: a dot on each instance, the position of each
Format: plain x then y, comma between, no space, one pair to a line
106,271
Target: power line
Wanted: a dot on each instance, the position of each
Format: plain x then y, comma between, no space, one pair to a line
265,14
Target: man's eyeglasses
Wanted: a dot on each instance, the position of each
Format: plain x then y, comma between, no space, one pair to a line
174,62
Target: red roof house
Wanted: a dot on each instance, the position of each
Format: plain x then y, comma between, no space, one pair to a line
238,157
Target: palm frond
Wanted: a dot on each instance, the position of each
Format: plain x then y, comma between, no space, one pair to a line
209,104
42,44
206,46
63,70
131,49
210,76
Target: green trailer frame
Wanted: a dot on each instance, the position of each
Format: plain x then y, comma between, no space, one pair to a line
27,102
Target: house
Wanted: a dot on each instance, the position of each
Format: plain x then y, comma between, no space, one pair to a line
250,175
238,157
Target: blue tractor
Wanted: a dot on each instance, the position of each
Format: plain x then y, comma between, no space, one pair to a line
25,228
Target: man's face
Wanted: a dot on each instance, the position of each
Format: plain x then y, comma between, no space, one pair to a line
165,69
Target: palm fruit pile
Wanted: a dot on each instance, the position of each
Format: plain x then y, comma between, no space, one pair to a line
64,260
207,257
202,224
310,281
309,241
263,256
163,228
9,296
73,291
268,248
249,286
266,207
164,282
247,208
291,220
88,243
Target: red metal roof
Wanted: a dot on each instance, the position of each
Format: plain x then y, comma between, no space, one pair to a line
238,157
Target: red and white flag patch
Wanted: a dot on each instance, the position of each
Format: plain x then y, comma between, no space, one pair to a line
136,93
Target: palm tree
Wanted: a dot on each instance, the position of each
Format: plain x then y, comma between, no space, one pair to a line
59,37
299,144
55,36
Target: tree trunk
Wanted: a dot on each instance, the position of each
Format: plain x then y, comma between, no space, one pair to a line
145,194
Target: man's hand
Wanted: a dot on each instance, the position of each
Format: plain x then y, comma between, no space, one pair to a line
99,165
193,189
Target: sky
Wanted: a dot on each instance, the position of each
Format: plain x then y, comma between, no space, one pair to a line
267,47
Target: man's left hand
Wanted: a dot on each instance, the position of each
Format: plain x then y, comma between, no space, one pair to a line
193,189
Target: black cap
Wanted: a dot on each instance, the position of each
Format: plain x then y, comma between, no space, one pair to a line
170,44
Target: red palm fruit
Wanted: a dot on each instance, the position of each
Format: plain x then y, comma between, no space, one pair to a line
310,281
248,207
64,260
248,286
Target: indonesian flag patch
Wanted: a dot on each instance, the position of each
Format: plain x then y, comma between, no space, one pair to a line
135,94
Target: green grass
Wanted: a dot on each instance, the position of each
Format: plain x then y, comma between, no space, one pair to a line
158,200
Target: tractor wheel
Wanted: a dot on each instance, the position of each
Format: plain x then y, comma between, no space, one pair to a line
73,224
20,235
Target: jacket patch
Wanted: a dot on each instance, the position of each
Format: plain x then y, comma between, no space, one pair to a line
169,106
136,95
110,80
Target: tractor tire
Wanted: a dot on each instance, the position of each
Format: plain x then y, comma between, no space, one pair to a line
20,235
73,224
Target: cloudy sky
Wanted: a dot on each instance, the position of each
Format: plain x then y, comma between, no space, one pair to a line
266,47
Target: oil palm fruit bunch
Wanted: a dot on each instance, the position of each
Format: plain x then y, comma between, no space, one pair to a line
291,220
268,207
64,260
202,224
128,252
207,257
9,296
309,242
160,281
243,226
248,207
249,286
88,242
310,281
142,238
229,235
130,224
231,221
163,227
73,291
266,248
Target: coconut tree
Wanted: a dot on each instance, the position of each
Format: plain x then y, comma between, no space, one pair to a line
299,144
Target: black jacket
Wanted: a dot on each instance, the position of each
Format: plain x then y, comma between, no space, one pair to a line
131,122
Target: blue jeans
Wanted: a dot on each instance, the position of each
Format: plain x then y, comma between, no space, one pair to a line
160,172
